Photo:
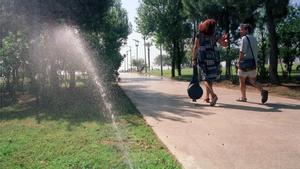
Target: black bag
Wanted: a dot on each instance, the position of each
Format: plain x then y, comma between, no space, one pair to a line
248,64
194,89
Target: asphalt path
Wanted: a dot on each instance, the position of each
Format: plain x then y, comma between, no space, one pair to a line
231,135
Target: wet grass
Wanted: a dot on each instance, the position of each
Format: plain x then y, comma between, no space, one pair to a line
75,131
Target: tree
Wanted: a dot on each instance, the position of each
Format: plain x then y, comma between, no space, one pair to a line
261,32
275,11
289,38
139,64
115,32
13,55
102,25
166,60
164,21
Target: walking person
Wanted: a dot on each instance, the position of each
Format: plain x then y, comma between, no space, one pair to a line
247,63
206,55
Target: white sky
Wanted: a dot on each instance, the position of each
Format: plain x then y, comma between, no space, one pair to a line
131,7
295,2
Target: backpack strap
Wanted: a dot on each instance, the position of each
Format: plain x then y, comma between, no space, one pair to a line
250,46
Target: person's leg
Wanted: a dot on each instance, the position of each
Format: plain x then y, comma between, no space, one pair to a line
209,88
255,83
243,87
206,98
214,98
264,93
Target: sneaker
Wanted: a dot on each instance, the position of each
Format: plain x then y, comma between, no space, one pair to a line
264,96
214,100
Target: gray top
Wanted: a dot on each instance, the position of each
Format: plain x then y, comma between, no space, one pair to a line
245,48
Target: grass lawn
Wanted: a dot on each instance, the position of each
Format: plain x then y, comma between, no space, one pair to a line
75,131
186,73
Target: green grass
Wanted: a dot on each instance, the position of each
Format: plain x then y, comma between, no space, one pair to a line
75,131
186,73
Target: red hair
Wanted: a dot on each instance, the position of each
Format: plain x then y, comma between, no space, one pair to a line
207,27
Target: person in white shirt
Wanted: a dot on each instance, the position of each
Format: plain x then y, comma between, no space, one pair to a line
248,51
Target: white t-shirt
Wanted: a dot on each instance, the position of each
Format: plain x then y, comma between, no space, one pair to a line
245,48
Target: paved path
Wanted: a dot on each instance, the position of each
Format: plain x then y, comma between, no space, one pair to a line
231,135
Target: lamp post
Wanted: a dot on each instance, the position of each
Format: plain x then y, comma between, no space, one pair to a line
127,59
137,49
130,58
145,54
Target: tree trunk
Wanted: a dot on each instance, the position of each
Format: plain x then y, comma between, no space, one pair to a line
227,25
23,79
15,83
72,79
273,46
178,56
54,80
289,68
9,86
173,64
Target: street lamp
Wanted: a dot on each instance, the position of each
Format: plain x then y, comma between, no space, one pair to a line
145,54
130,58
137,49
127,59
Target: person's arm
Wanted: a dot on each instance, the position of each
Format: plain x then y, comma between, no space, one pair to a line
241,57
195,51
242,49
223,41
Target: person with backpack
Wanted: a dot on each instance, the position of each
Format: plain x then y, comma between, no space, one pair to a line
247,63
207,57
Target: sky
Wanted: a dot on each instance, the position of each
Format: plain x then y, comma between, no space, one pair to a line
295,2
131,7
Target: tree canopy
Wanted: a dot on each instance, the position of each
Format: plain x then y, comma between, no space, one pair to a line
40,41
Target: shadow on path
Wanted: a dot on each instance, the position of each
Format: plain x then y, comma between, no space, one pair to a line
178,107
164,106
